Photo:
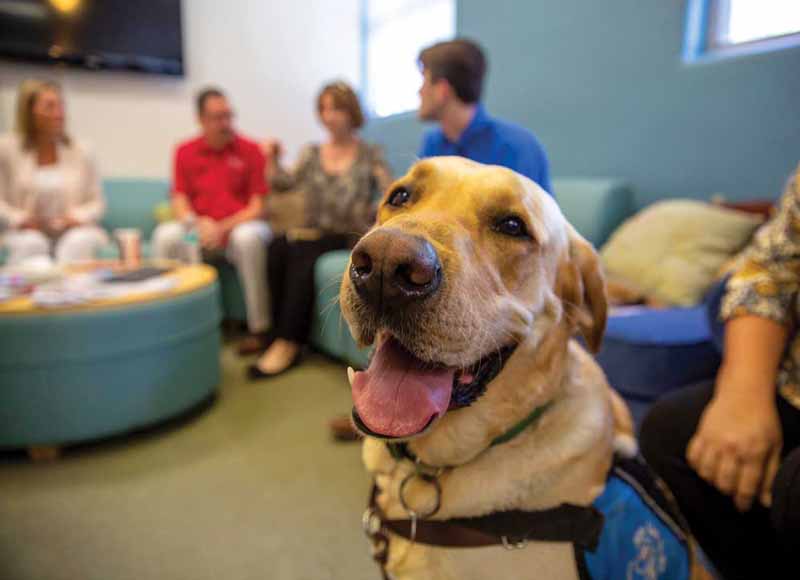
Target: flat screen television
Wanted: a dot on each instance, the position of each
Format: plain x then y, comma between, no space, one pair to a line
132,35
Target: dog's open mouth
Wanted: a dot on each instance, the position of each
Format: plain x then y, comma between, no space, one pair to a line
400,395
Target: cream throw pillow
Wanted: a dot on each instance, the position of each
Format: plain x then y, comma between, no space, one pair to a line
673,249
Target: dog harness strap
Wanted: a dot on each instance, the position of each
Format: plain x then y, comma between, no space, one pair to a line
441,533
566,523
580,525
372,522
580,563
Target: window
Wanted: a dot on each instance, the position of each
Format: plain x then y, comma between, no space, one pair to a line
731,27
394,33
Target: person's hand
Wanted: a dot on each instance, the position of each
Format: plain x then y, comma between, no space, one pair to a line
272,149
210,233
31,223
738,441
59,225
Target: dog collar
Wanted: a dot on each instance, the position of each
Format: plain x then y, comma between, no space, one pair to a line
512,433
401,451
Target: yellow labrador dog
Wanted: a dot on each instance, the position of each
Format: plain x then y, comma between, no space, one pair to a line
482,416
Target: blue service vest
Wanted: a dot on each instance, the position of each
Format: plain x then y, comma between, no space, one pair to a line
641,539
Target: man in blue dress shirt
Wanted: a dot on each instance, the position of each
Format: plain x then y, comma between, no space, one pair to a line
450,95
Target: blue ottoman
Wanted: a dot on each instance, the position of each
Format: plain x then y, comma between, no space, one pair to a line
80,374
648,352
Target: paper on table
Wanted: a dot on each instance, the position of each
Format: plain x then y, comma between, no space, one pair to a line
83,288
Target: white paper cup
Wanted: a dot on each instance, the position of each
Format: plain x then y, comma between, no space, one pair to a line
130,246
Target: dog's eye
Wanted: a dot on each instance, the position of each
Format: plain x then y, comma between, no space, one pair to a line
511,226
399,197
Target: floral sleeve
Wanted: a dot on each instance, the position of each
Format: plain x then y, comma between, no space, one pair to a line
381,172
765,282
380,179
284,180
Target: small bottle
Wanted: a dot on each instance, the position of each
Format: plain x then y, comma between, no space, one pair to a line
191,243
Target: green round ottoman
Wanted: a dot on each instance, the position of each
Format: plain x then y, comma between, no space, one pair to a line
75,374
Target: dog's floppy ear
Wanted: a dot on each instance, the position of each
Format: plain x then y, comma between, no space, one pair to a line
581,286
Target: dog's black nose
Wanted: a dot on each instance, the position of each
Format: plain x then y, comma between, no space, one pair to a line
389,269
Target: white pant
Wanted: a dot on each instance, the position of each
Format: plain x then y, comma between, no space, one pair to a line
78,243
247,251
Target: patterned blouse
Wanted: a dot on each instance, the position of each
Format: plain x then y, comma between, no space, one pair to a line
766,281
342,204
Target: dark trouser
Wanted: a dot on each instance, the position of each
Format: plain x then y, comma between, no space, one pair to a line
752,545
290,275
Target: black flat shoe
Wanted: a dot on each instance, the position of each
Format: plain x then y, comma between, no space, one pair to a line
254,373
255,343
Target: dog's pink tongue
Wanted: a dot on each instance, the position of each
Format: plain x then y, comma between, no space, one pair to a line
397,396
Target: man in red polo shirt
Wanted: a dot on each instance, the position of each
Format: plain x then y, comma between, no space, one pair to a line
219,188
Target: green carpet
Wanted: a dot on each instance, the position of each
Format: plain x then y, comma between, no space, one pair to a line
249,488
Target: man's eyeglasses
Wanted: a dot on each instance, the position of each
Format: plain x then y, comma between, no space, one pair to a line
226,116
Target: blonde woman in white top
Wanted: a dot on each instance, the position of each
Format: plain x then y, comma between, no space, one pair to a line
50,195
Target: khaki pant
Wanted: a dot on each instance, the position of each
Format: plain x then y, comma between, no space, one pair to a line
246,250
78,243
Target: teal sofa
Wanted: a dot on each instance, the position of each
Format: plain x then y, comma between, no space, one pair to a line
595,206
132,203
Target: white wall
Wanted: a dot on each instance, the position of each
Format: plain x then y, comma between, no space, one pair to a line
271,57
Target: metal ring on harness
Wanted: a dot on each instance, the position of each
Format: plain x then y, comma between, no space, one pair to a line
436,486
373,529
371,522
